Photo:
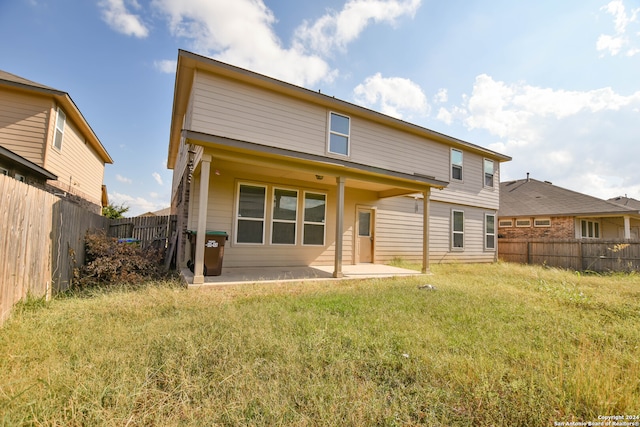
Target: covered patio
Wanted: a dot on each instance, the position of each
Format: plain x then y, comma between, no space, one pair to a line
235,276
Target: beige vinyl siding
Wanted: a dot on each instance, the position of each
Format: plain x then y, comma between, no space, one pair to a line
78,167
471,191
23,124
399,232
380,146
399,229
226,108
221,217
232,109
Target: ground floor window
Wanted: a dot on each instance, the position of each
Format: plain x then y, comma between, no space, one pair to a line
590,229
457,230
251,214
490,232
285,216
315,211
273,211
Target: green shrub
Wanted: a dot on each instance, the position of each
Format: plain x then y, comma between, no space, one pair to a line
109,262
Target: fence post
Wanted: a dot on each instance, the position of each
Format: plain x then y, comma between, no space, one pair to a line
528,252
580,256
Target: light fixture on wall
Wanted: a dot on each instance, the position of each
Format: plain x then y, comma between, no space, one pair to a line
319,177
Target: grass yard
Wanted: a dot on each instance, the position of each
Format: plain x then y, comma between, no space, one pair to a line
493,345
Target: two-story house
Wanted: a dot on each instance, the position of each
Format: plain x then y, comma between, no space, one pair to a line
298,178
46,141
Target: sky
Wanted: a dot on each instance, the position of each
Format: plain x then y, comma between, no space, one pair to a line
553,84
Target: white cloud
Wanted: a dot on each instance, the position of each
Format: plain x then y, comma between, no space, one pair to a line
393,96
241,32
166,66
441,96
615,44
583,140
157,177
137,205
116,15
123,179
336,30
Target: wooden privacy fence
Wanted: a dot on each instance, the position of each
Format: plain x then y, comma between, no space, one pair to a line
574,254
42,240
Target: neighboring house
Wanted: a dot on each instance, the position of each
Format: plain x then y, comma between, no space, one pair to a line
16,166
626,201
532,209
161,212
296,177
43,127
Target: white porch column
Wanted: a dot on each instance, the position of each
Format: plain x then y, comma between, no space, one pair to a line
203,203
426,196
337,272
627,227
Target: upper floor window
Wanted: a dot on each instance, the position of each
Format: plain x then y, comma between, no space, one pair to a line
4,171
339,128
488,173
456,164
542,222
61,119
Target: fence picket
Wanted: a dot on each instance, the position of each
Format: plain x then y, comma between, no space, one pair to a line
42,240
574,254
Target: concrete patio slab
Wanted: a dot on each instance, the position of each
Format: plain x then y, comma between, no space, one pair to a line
237,275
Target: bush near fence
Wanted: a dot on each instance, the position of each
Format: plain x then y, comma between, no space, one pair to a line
575,254
42,240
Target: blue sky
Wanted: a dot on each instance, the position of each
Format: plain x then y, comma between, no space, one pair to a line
553,84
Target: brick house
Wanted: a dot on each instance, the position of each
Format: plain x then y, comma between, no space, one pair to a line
532,209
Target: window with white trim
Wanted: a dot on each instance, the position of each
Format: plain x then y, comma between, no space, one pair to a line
285,216
504,223
456,164
590,229
542,222
4,171
488,172
61,120
315,211
251,214
457,230
490,232
20,177
523,223
339,131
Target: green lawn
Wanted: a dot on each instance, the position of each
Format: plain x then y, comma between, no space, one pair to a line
493,345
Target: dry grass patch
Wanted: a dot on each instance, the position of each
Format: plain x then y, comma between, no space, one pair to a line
492,345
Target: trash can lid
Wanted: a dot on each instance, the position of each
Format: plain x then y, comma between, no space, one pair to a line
210,232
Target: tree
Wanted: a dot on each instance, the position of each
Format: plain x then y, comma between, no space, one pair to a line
114,211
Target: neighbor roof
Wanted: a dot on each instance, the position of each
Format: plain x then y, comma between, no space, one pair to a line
27,164
530,197
188,62
20,83
626,201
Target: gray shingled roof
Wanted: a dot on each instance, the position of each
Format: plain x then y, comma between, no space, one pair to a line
530,197
12,78
626,201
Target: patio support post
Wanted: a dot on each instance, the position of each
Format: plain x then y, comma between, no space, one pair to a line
198,268
627,228
337,272
426,195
